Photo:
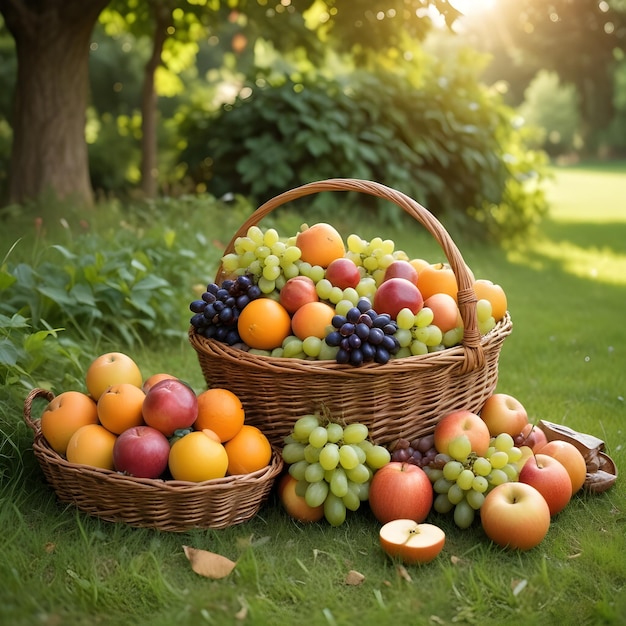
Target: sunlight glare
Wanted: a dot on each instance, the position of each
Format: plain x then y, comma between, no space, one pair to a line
472,6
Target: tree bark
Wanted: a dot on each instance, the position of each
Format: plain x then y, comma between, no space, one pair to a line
49,151
149,104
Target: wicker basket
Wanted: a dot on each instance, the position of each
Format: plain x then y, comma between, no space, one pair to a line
404,398
169,505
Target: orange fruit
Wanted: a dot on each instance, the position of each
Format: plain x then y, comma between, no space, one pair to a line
263,324
486,290
119,407
419,264
320,244
221,411
248,451
445,310
109,369
64,415
92,445
312,320
197,457
437,278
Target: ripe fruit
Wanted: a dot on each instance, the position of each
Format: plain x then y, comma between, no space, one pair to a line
170,405
571,458
401,269
343,273
312,320
155,378
296,505
459,423
504,414
221,411
92,445
111,369
437,278
446,313
550,478
531,436
197,457
296,292
485,289
263,324
410,541
320,244
141,451
400,491
120,407
248,451
395,294
64,415
515,515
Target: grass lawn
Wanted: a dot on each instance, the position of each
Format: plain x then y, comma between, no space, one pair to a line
565,360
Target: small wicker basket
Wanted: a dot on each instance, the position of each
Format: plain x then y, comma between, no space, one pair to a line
168,505
404,398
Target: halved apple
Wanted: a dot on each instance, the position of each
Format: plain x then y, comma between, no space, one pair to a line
410,541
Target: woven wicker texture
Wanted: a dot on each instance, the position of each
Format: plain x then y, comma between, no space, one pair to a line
403,398
174,506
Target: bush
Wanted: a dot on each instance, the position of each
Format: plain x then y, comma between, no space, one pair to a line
443,140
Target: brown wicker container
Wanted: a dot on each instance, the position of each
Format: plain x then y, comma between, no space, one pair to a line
403,398
175,506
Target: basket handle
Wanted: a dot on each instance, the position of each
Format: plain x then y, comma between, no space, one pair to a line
28,405
466,297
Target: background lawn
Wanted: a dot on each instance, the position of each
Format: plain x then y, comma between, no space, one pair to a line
565,360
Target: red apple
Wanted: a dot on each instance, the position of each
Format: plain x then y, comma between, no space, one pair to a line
296,292
515,515
142,452
400,491
169,405
296,505
460,423
395,294
401,269
531,436
504,414
155,378
343,273
446,314
410,541
550,478
571,458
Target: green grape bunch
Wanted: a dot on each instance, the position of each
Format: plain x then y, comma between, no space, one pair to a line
333,464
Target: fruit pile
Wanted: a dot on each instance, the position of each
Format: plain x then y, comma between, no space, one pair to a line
314,296
153,428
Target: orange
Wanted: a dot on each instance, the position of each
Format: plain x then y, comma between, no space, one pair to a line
221,411
312,320
263,324
320,244
419,264
437,278
64,415
446,313
119,407
109,369
486,290
248,451
197,457
92,445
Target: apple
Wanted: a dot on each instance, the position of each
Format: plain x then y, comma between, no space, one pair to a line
446,314
395,294
400,491
504,414
571,458
142,452
550,478
296,505
531,436
410,541
527,452
401,269
169,405
459,423
343,273
515,515
155,378
109,369
296,292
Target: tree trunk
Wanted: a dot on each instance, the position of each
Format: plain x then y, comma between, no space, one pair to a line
49,152
149,105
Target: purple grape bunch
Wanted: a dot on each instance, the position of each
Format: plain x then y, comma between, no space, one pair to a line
420,451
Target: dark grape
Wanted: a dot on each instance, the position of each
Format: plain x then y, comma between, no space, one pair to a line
353,315
364,305
197,306
419,451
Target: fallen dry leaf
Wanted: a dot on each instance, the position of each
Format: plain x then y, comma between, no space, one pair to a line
209,564
403,573
354,578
